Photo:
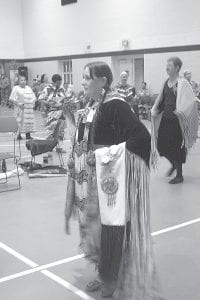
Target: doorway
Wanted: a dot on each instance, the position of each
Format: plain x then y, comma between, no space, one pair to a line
139,72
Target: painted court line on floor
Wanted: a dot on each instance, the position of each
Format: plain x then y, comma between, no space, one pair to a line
39,268
47,273
67,285
43,269
168,229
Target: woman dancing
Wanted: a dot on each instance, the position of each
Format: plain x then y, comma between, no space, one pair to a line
108,187
175,120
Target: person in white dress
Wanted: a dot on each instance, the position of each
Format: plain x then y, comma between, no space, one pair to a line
23,99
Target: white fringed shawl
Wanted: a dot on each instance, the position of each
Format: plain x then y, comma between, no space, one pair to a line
138,279
186,111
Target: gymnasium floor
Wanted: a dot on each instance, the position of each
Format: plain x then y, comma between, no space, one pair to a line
40,262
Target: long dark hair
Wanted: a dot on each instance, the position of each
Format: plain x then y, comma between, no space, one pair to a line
101,69
42,78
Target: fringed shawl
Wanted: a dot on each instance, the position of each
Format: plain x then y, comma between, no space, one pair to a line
137,277
186,111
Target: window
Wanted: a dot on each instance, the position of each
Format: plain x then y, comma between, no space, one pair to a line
68,74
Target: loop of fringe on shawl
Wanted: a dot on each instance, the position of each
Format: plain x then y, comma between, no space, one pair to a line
189,127
137,277
155,123
154,152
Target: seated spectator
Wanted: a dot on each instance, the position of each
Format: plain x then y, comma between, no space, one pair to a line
188,76
144,90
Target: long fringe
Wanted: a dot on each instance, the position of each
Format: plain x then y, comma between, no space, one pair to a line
189,127
154,152
137,277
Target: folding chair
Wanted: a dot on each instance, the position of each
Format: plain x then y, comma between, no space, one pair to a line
42,146
9,125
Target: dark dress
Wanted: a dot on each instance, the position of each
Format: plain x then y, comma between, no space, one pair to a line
113,124
170,138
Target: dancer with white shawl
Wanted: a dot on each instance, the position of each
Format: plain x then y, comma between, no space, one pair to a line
174,120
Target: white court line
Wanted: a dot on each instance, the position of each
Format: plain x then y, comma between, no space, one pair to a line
168,229
43,268
67,285
18,255
40,268
49,274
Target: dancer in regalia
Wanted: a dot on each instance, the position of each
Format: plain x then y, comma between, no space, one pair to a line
108,188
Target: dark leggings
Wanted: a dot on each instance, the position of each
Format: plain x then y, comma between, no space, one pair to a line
112,238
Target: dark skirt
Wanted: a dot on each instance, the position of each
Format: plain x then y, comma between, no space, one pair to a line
170,140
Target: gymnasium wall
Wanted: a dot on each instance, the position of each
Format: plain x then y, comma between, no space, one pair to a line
53,30
42,67
55,66
11,36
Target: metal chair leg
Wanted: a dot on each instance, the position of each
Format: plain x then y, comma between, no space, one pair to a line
20,152
60,155
18,175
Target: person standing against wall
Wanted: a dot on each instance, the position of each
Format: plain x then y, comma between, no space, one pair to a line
127,92
175,119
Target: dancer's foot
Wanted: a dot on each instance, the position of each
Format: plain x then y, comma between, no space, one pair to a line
176,180
93,286
171,171
108,289
19,137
